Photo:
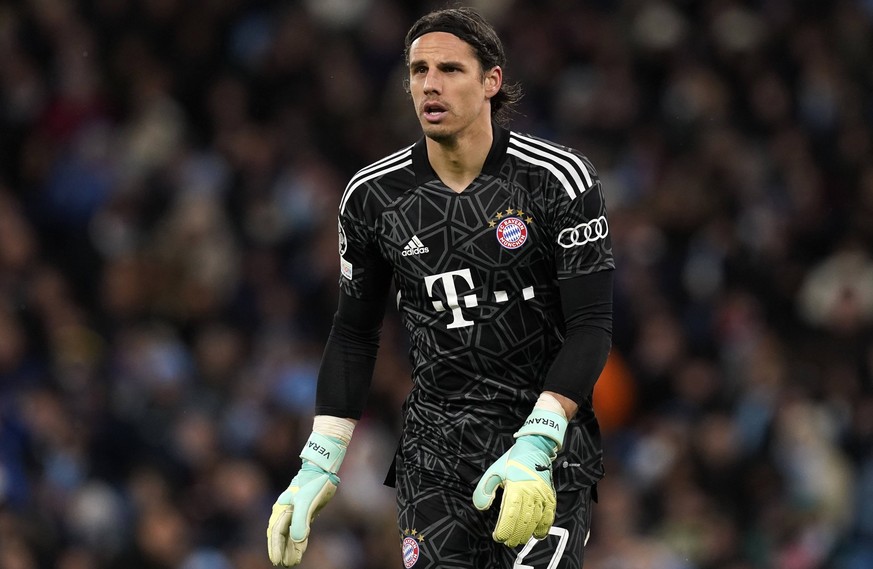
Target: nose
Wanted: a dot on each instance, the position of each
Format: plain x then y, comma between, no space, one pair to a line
431,82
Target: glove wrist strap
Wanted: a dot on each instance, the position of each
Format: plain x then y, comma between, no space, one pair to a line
324,452
545,423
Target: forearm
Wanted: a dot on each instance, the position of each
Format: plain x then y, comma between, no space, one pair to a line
345,375
578,366
349,359
587,306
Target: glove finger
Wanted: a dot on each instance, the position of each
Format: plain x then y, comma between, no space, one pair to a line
294,552
502,529
533,515
277,532
483,494
306,507
510,517
547,519
523,511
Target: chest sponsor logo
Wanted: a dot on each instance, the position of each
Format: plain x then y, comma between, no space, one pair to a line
452,299
414,247
587,232
511,233
446,292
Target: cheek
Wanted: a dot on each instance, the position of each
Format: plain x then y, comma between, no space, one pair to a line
415,89
416,96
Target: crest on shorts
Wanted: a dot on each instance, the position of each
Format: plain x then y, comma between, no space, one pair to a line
511,227
411,547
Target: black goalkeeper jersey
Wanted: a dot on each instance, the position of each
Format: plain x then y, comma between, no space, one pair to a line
476,275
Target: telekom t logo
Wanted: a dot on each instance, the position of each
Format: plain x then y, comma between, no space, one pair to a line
454,303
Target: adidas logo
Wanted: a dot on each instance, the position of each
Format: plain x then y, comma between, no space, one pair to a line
414,247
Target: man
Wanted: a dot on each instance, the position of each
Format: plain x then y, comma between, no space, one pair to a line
497,245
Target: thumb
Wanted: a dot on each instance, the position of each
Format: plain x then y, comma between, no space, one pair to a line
483,495
277,532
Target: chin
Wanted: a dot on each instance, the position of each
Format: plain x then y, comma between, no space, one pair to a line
436,132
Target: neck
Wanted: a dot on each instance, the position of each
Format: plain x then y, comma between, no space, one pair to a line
457,161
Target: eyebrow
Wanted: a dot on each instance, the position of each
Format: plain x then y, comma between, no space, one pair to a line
449,63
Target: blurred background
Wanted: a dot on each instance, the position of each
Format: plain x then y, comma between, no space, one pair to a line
169,177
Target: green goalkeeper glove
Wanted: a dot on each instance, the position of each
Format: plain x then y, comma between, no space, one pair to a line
309,491
525,473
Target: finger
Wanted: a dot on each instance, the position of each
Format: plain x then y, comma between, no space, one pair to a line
532,516
277,532
294,552
504,519
510,514
548,518
483,494
526,511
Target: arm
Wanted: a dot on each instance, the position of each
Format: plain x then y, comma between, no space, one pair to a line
343,383
349,357
567,406
525,470
587,307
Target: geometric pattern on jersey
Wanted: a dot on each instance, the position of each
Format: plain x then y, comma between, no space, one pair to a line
476,279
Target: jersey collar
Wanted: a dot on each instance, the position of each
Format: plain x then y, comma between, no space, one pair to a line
424,172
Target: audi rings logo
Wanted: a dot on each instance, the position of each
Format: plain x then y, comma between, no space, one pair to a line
583,233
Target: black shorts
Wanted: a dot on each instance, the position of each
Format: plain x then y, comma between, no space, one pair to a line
440,528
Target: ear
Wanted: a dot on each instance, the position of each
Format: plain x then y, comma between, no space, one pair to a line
493,80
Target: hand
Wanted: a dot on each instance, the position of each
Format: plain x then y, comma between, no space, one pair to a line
525,474
528,505
309,491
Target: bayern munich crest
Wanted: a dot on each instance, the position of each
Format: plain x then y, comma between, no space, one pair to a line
411,547
511,232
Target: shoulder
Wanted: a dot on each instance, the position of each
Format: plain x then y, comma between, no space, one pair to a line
379,180
568,167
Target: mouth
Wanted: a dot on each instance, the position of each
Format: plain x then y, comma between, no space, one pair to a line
433,111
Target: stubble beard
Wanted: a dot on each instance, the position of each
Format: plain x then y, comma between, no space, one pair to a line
439,136
438,133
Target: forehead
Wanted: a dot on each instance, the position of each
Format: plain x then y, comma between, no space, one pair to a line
440,46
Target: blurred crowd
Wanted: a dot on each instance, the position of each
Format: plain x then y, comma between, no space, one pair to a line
169,177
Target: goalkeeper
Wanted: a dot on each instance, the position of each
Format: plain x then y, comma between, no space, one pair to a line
498,248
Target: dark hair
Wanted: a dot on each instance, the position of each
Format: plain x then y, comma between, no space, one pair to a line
469,26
